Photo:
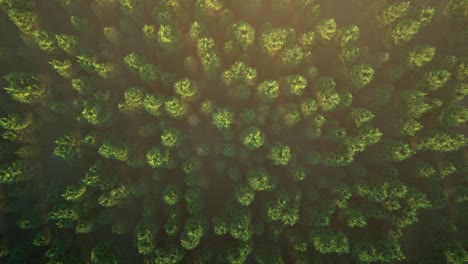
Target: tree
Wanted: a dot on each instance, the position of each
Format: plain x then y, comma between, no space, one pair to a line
95,112
209,60
64,68
296,84
14,172
172,194
284,209
223,118
185,88
146,237
327,241
274,40
169,254
403,31
175,108
327,98
26,88
68,43
360,76
260,180
46,41
420,56
360,116
68,147
240,224
443,142
105,252
379,251
292,56
194,231
153,104
308,106
157,158
349,34
148,72
252,138
268,89
326,29
168,37
117,151
240,73
280,154
244,195
134,99
16,126
243,34
395,151
171,137
436,79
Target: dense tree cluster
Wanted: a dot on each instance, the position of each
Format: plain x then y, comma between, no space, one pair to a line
222,131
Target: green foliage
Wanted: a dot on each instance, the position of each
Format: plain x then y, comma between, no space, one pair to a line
146,238
185,88
168,36
330,242
326,29
172,194
274,40
404,31
68,148
171,138
175,108
259,179
240,224
382,251
280,154
241,73
157,158
95,113
421,56
216,131
268,89
223,118
11,173
392,13
64,68
170,254
194,230
296,84
292,57
244,195
361,116
209,60
153,104
436,79
284,209
117,151
327,97
16,126
134,99
360,76
244,34
45,41
253,138
26,88
443,142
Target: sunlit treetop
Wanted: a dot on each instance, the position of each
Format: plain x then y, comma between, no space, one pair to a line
223,118
244,34
273,40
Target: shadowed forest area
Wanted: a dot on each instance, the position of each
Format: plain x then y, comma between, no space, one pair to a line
231,131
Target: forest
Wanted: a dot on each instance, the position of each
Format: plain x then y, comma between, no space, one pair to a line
233,131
